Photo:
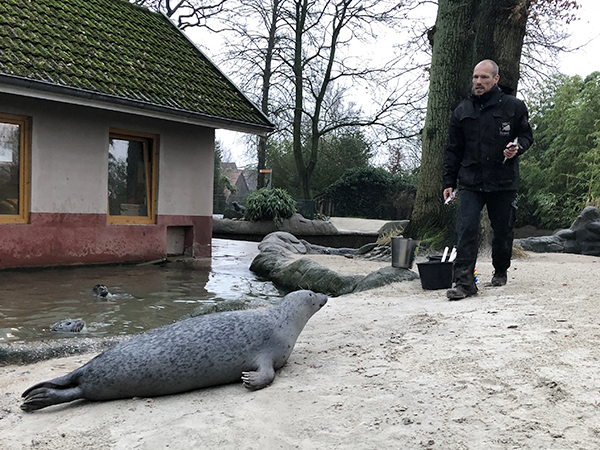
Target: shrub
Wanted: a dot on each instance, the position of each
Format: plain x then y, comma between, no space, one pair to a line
373,193
269,204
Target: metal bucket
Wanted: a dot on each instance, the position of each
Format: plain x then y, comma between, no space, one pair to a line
403,252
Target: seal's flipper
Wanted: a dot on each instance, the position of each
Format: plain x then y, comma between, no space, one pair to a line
43,396
66,382
260,378
52,392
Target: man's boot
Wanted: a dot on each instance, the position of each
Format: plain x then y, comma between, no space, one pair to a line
459,292
499,279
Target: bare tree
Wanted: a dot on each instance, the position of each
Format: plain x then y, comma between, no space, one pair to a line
322,33
255,27
186,13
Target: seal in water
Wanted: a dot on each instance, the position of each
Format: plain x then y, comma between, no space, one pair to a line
194,353
68,326
100,290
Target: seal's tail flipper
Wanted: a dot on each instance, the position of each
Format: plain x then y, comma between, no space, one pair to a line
52,392
41,397
56,383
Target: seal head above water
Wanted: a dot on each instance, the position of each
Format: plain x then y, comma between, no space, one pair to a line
194,353
68,326
100,290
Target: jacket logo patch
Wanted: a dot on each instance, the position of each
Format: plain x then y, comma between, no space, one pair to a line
505,129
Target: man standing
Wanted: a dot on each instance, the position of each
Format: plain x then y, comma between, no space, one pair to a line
488,131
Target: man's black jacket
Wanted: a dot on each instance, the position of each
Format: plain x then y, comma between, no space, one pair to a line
480,128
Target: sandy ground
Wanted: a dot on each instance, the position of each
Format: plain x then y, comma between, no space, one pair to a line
516,367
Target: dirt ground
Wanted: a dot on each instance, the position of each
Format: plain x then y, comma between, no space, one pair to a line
516,367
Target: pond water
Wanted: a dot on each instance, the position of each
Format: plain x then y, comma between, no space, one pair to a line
141,296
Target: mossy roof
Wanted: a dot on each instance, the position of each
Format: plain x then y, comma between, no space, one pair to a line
119,50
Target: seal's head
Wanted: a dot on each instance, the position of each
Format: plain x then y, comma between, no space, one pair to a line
68,326
100,290
305,303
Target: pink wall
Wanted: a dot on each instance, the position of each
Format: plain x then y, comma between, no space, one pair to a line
60,239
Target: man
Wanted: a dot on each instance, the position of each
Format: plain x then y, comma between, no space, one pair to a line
488,131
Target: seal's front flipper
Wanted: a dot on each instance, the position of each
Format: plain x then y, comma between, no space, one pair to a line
41,397
260,378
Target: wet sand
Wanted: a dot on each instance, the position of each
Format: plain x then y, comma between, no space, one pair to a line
516,367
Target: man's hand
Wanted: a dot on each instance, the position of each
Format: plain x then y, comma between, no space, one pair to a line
449,195
511,150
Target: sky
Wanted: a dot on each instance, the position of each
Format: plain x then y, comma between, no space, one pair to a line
587,59
585,33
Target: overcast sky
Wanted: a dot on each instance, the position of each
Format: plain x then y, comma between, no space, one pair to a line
584,32
587,28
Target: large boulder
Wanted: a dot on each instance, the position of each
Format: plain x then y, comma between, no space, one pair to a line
296,225
277,262
305,273
583,237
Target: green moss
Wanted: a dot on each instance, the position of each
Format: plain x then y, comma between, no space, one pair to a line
115,47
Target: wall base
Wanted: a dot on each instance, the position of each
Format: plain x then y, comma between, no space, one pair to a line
54,239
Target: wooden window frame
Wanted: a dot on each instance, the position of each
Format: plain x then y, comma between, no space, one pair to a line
24,123
151,163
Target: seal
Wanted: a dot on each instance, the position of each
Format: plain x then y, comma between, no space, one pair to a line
100,290
68,326
191,354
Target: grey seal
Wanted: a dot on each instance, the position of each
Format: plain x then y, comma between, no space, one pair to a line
68,326
191,354
100,290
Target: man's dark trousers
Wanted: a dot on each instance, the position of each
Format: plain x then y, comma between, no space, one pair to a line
502,209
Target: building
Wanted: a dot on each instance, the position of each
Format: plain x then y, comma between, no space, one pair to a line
238,178
107,119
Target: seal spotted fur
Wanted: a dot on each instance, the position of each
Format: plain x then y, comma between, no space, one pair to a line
194,353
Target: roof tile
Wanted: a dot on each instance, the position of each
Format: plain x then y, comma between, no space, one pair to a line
113,47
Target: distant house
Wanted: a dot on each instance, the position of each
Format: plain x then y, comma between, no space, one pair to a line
238,178
107,119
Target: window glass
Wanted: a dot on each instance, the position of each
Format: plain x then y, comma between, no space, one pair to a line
130,178
14,185
10,152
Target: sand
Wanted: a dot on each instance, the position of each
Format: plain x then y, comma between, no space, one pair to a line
517,367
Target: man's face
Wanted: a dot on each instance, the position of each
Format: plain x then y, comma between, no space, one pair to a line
483,78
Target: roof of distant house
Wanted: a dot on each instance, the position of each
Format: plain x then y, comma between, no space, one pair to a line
111,53
228,165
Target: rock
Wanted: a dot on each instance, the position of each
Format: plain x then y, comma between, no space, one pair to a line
282,240
307,274
366,248
529,231
296,225
231,214
394,225
275,262
583,237
385,276
313,249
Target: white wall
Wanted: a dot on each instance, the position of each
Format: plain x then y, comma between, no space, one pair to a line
69,161
186,171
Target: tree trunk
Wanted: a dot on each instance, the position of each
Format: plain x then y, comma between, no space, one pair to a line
450,71
300,20
499,33
266,86
466,31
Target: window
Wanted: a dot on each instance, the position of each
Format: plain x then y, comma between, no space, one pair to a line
14,168
131,177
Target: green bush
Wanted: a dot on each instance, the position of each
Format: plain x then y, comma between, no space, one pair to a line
373,193
269,204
